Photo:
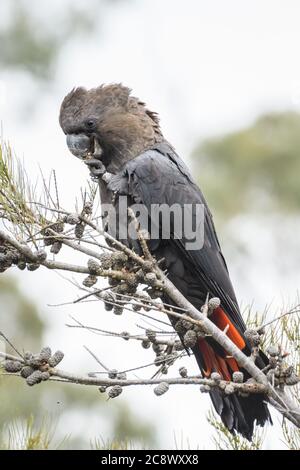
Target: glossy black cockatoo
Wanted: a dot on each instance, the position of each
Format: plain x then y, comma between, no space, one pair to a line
125,139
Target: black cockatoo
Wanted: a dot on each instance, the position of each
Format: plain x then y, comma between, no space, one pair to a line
126,140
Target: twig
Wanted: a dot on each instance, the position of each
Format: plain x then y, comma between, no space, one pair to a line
11,357
95,357
162,341
292,311
10,343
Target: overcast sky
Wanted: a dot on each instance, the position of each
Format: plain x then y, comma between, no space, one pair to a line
207,67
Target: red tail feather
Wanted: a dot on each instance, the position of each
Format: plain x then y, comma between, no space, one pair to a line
213,362
220,319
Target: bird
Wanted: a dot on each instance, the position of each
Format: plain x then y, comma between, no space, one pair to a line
123,139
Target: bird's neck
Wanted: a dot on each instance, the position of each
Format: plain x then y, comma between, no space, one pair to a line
116,156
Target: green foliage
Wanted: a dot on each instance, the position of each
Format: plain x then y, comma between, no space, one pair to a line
19,317
32,44
30,207
255,168
15,189
224,440
112,444
41,434
285,331
128,426
291,436
30,435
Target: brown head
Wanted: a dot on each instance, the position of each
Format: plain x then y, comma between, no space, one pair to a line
109,122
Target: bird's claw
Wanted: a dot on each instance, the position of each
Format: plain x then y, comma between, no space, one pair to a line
96,167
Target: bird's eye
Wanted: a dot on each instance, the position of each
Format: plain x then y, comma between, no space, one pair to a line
90,123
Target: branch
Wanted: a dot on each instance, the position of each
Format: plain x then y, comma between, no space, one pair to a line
252,388
227,386
292,311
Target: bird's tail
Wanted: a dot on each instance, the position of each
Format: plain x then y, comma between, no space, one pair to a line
237,413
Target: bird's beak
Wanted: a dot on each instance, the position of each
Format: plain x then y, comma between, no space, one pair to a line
79,145
83,146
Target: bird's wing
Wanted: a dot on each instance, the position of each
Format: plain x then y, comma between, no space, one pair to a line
159,176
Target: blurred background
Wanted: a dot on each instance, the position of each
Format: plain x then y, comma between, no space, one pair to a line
225,79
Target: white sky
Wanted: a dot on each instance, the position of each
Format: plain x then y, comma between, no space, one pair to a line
207,67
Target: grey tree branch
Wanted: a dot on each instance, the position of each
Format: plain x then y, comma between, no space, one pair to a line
85,380
251,388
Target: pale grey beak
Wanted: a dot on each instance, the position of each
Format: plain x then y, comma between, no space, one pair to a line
80,145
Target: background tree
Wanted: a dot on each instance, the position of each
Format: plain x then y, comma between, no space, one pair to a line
259,164
31,44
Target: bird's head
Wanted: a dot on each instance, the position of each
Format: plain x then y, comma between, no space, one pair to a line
109,124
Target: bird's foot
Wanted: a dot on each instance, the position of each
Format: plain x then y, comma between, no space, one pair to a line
96,167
